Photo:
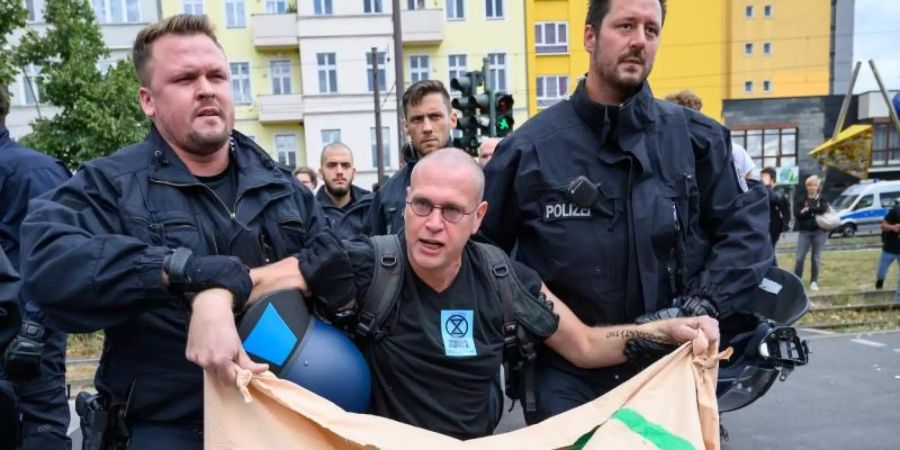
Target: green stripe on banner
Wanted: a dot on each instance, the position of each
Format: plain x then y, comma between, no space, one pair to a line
652,432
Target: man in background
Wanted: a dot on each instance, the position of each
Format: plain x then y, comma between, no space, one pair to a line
307,177
345,205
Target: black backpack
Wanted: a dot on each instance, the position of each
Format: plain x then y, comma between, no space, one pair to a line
382,300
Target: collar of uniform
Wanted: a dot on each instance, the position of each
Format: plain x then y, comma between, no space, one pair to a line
633,114
356,194
411,156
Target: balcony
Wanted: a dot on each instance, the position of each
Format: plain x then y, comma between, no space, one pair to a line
275,31
280,108
345,25
422,26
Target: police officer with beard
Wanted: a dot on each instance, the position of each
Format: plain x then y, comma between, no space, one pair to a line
126,244
625,205
428,119
345,204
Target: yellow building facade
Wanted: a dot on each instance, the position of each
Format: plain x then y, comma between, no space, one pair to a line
704,47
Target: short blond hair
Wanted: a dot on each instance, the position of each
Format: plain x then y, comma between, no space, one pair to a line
687,99
813,179
181,24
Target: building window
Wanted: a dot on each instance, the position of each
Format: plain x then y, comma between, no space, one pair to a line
280,73
493,9
240,82
457,67
748,86
234,14
767,10
767,48
322,8
382,73
748,48
329,136
286,149
30,93
276,6
418,68
327,73
769,147
372,6
194,7
117,11
551,89
767,86
748,11
886,145
385,142
32,13
551,37
456,10
415,4
497,71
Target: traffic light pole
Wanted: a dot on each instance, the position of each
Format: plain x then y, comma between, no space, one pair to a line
379,146
489,89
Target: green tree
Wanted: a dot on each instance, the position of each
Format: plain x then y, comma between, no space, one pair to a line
99,112
12,16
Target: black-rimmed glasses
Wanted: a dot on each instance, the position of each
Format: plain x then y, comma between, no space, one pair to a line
450,213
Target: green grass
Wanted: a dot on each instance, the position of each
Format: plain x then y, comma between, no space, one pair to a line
844,271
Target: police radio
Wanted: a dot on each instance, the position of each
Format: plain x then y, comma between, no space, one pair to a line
582,192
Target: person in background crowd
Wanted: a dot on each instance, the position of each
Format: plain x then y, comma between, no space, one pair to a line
486,150
810,236
307,177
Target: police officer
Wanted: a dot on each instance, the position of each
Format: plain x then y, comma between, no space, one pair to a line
345,204
658,213
435,357
428,119
125,244
35,360
9,326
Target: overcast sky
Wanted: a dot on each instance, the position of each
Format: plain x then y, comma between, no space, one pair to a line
877,36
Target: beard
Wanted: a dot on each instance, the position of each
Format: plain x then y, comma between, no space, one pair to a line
337,191
625,83
206,143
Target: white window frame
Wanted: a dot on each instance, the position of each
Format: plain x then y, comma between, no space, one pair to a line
328,135
491,6
767,49
240,19
456,70
768,11
32,11
242,81
552,48
412,5
373,6
386,140
749,11
323,7
328,69
419,68
277,6
541,89
748,86
382,71
497,75
191,7
457,11
283,154
280,80
748,49
767,86
31,95
104,13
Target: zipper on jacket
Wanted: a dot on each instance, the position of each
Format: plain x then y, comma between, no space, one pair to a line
231,212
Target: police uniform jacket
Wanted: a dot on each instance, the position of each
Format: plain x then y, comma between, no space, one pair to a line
95,249
348,221
386,210
679,183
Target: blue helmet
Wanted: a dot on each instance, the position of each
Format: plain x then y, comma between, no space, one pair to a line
279,330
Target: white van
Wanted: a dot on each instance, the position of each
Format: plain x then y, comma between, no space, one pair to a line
863,205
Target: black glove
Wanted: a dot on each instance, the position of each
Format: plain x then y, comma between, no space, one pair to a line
642,352
189,273
694,306
23,355
327,269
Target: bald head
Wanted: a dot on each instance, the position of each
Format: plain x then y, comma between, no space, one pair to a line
452,159
338,147
486,150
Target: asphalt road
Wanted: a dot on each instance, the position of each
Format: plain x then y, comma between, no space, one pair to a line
847,397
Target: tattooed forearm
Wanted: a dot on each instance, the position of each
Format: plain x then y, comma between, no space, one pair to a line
627,334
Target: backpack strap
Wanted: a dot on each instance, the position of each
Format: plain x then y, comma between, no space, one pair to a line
384,291
519,350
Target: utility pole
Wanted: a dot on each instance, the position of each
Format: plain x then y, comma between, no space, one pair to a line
398,77
379,146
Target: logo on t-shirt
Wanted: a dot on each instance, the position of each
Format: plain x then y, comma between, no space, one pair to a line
456,331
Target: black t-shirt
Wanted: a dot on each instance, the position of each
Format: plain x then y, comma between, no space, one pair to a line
224,185
435,365
890,239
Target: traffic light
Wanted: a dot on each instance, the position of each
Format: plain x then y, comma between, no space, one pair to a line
502,121
468,103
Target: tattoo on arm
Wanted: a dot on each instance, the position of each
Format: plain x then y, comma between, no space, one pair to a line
627,334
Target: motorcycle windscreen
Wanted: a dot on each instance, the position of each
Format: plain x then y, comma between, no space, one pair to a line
746,388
